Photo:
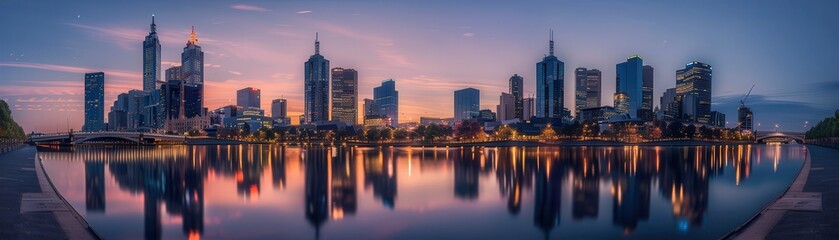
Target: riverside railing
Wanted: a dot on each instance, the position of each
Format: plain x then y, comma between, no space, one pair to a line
7,145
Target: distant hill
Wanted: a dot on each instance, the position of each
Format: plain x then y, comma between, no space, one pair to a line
8,127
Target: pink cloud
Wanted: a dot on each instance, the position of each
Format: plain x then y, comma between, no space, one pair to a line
245,7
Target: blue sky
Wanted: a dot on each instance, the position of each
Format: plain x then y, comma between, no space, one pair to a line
431,48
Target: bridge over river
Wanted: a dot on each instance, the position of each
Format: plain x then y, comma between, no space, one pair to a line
781,137
138,138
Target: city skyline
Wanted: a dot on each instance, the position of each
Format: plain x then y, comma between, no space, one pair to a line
35,81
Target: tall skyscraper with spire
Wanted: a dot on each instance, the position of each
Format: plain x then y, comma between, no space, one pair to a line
316,87
550,81
151,59
192,75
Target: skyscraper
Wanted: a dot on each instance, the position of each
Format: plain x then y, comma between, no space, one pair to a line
528,108
587,90
316,87
345,95
506,109
94,102
517,90
467,102
173,73
387,98
694,80
370,107
668,104
646,111
550,80
279,108
745,119
192,75
249,97
279,111
171,94
629,82
151,59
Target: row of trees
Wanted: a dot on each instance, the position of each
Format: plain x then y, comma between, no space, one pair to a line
827,128
9,129
474,131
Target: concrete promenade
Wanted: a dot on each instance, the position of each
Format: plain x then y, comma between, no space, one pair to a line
30,207
824,180
809,209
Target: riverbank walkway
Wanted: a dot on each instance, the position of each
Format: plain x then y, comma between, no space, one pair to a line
30,207
810,207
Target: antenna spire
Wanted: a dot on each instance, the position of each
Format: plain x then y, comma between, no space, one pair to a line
317,44
153,26
193,39
551,42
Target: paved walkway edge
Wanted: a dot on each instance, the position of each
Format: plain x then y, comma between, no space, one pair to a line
73,224
759,226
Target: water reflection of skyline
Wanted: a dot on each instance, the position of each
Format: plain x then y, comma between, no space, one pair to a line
173,178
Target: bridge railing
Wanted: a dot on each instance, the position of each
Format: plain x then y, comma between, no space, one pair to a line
104,132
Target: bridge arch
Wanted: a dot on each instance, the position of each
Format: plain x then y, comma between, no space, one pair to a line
107,138
779,138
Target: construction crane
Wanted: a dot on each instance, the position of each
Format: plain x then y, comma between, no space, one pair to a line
743,101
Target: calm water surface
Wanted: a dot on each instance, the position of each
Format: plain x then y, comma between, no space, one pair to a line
268,191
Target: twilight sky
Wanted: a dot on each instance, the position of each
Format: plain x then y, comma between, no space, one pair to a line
430,48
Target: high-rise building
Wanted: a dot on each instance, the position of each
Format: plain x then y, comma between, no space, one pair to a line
345,95
745,119
371,108
646,111
587,91
668,106
138,100
387,98
629,82
118,117
528,108
621,103
249,97
467,102
550,81
316,87
695,80
151,59
173,73
279,108
517,90
717,119
192,75
172,98
506,109
94,102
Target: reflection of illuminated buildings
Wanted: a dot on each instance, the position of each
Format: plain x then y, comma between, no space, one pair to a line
94,186
380,172
343,184
548,194
466,170
278,172
161,175
317,186
684,181
514,176
631,180
586,187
